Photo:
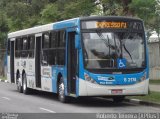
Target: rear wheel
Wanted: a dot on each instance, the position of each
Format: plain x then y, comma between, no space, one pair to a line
25,89
61,91
19,86
118,99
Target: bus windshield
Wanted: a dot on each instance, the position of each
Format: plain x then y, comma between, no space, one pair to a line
103,49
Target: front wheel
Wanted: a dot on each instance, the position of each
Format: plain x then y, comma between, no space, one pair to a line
61,91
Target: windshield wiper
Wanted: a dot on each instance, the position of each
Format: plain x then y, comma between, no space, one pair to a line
126,48
116,48
107,43
127,52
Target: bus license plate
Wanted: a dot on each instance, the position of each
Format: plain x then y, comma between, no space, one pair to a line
116,91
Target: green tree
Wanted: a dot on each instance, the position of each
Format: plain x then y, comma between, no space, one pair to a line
158,18
65,9
113,7
18,14
50,14
107,7
144,9
24,13
3,29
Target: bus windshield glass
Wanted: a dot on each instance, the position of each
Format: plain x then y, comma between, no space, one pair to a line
103,49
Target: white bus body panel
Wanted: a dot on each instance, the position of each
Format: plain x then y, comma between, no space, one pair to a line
29,68
46,78
27,65
31,73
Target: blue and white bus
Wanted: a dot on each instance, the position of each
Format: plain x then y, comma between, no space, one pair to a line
88,56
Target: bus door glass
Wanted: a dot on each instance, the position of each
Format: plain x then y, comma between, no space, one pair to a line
71,62
38,60
12,61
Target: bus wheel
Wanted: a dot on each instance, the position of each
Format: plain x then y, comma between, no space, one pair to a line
19,86
118,99
61,91
24,81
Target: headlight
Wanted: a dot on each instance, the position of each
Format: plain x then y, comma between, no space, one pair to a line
143,77
89,79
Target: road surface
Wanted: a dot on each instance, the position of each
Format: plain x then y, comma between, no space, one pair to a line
12,101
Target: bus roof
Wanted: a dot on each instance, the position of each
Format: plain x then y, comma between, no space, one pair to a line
64,24
43,28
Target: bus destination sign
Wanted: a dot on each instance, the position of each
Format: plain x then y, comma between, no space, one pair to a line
116,25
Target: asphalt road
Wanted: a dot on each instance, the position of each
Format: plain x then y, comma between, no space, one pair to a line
39,102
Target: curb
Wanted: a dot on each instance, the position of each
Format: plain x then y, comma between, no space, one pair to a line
141,102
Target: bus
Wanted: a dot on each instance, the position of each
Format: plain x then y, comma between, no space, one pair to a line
88,56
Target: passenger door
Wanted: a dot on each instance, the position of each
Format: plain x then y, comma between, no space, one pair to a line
12,60
38,47
72,62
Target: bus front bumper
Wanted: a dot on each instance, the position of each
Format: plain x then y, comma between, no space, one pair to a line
89,89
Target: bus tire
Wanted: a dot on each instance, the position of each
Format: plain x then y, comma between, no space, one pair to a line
19,86
61,91
118,99
24,84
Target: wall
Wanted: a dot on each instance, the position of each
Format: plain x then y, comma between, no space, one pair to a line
154,60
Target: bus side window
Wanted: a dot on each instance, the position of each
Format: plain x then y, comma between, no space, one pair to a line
24,47
53,37
46,41
61,39
18,47
52,51
25,43
61,48
45,48
31,45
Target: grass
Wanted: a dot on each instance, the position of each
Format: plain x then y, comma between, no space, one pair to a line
3,78
152,97
151,81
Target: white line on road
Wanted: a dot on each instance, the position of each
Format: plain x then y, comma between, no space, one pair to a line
47,110
6,98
